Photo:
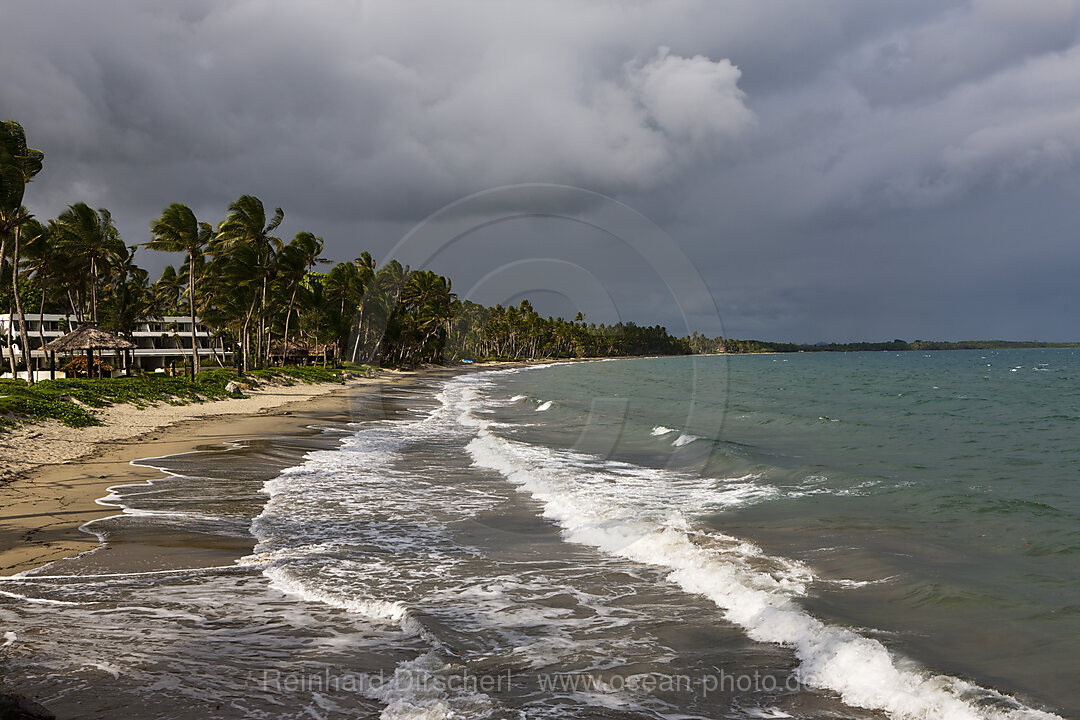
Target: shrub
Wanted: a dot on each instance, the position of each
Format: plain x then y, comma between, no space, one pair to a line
56,399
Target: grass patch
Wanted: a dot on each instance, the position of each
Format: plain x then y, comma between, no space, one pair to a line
67,400
307,374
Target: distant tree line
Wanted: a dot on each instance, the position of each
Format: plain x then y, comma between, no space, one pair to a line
730,345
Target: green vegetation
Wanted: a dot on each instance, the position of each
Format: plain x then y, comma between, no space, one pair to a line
72,401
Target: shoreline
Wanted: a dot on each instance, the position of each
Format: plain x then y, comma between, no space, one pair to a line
52,476
44,503
50,486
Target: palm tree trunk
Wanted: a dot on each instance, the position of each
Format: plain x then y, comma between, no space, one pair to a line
74,310
93,291
41,320
18,307
247,334
359,334
10,326
262,323
288,316
245,346
191,303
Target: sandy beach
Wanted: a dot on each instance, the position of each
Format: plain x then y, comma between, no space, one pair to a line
55,474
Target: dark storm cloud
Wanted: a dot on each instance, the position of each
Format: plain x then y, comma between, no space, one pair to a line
834,169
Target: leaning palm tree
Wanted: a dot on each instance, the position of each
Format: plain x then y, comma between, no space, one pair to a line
18,166
230,293
168,291
295,261
41,266
90,239
246,224
177,230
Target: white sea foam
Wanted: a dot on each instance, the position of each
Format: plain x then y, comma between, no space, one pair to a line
517,398
765,713
544,406
661,430
353,528
418,691
684,439
640,523
856,584
36,600
9,639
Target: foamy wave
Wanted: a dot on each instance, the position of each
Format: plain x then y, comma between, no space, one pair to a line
859,669
544,406
661,430
389,611
684,439
418,691
856,584
517,398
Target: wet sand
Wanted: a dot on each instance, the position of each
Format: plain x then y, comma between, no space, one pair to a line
42,510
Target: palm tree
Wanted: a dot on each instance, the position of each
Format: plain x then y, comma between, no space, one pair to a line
295,260
230,292
427,303
246,224
129,298
18,166
365,278
91,240
40,266
342,289
168,290
177,230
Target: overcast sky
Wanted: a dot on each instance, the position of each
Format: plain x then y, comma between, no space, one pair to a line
832,169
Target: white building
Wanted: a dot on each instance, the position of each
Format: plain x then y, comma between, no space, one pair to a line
158,342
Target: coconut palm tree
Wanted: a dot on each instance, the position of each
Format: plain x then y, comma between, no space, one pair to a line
168,291
18,166
41,266
128,298
295,261
178,230
230,292
246,224
90,239
365,279
427,304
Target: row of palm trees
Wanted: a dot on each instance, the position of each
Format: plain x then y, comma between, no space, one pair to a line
251,288
519,332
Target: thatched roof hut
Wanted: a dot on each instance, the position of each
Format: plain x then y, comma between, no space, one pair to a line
292,350
88,337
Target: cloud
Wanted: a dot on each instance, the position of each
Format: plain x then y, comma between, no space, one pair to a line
766,137
693,99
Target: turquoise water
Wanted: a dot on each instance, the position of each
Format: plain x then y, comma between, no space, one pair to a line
934,497
858,536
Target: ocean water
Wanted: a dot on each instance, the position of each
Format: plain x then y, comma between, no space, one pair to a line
818,535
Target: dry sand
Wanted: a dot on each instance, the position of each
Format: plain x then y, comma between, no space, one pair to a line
56,473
